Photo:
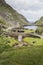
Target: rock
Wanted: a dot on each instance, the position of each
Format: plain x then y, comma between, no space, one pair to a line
15,45
25,44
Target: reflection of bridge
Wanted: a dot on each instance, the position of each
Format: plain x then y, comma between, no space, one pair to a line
32,25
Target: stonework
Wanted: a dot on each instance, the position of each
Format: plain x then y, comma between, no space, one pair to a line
19,38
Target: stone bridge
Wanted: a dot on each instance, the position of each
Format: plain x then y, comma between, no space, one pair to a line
21,35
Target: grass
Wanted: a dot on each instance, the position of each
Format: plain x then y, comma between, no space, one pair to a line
34,41
8,41
29,31
22,56
32,55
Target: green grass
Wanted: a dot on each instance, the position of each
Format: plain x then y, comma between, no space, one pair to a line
33,41
8,41
29,31
22,56
32,55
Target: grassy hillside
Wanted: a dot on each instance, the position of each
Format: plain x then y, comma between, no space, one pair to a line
11,16
40,21
40,28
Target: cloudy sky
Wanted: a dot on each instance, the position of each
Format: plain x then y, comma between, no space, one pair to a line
31,9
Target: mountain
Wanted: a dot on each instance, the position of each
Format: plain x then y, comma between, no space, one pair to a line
9,16
40,21
39,28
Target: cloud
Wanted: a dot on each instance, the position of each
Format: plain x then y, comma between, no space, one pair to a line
31,9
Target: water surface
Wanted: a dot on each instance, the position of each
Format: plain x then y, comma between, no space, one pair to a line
31,27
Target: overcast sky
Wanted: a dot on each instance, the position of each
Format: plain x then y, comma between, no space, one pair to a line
31,9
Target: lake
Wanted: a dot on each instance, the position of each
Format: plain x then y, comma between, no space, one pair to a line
31,27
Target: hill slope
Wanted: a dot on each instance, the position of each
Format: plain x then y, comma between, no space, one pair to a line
10,16
40,28
40,21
